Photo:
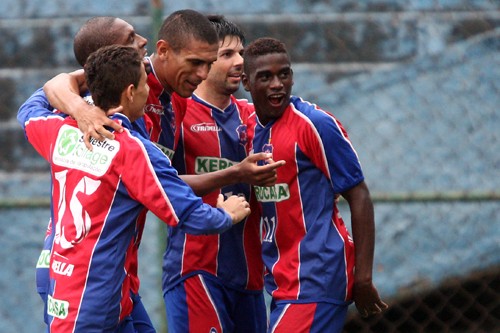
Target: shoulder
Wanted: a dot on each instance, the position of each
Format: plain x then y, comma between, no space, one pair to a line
245,107
311,111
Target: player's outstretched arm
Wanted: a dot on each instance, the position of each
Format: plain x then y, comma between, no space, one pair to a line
247,171
63,92
237,207
365,294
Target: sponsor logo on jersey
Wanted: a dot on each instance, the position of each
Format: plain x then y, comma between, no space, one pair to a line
276,193
62,268
57,308
205,127
154,108
165,150
43,259
211,164
71,152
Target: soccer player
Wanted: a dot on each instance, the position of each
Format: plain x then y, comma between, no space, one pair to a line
109,31
99,195
313,272
216,281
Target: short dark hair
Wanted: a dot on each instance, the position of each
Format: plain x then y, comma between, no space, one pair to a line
109,71
94,34
259,47
182,25
225,28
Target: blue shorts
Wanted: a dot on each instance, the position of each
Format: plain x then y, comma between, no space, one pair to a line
307,317
138,321
202,304
140,318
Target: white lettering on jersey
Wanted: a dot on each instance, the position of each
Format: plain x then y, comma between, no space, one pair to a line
80,218
62,268
205,127
270,228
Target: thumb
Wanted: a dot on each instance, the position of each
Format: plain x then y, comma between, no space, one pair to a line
220,199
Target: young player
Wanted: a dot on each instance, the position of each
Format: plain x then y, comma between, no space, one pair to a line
313,272
100,194
110,30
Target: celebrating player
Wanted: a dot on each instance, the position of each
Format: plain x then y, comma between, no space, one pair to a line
216,281
313,272
100,194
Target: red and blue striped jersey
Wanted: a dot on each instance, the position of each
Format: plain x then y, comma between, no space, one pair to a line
307,250
213,139
163,115
98,199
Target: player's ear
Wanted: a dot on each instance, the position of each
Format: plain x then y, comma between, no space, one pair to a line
128,94
162,48
244,82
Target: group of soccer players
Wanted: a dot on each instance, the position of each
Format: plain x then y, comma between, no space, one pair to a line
284,157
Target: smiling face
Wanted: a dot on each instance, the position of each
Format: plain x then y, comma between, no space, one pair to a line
225,75
269,80
183,70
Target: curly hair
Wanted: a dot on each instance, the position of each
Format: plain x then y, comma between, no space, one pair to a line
259,47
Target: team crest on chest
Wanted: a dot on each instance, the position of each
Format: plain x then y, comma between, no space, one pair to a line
267,148
242,134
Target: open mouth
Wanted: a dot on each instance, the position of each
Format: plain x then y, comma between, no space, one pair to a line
276,100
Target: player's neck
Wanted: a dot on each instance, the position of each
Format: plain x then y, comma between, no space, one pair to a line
218,100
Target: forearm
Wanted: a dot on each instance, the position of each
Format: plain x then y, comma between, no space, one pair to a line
208,182
63,92
364,241
363,232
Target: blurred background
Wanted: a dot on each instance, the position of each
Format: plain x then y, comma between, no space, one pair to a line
416,83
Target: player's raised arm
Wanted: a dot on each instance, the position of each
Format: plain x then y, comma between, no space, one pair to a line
63,92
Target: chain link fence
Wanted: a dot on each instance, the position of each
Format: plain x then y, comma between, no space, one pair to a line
439,276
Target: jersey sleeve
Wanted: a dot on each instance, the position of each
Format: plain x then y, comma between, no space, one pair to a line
335,154
39,121
152,181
